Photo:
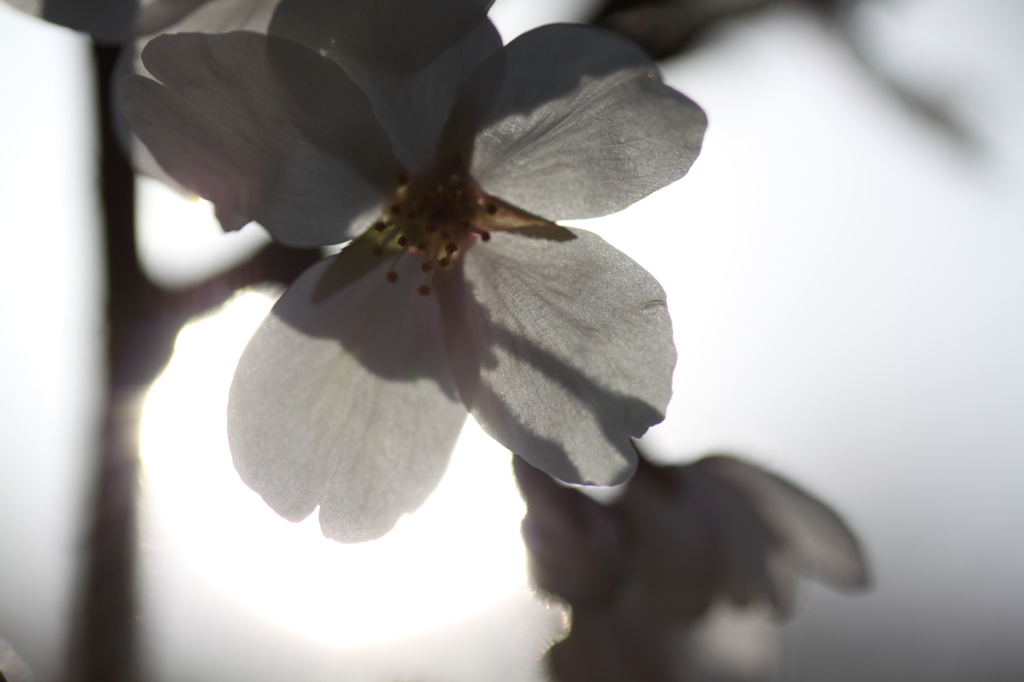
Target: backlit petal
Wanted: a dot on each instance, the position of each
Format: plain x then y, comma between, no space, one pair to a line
115,21
822,545
562,350
410,57
572,122
313,169
346,403
206,16
159,14
210,16
108,21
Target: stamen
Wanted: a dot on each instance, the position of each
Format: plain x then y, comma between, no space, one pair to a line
382,225
403,178
425,287
391,274
396,208
484,234
397,229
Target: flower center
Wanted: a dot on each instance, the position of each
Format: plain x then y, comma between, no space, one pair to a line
436,221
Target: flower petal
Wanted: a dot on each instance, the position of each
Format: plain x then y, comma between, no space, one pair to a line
159,14
562,350
822,544
211,16
411,58
12,667
313,170
573,122
576,547
116,21
108,21
347,403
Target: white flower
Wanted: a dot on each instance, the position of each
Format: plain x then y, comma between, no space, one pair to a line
679,544
410,116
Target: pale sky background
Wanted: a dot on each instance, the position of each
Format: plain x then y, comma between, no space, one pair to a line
847,292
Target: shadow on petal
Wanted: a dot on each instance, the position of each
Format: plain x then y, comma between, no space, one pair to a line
572,122
561,350
342,405
392,330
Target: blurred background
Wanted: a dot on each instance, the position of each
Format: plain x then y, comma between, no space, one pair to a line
844,275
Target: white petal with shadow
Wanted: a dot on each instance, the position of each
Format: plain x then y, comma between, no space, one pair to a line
211,16
411,58
221,122
573,122
562,350
347,403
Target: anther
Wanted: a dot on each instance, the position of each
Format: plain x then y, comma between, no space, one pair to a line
427,266
424,290
445,235
402,241
392,276
410,215
451,248
379,226
422,246
445,262
396,208
378,250
391,235
403,178
484,234
491,208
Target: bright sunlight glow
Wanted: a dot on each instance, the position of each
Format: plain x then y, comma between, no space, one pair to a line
457,555
181,243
